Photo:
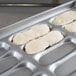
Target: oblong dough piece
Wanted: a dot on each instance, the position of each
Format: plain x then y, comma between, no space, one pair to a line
32,33
23,37
65,18
53,37
71,27
40,29
36,46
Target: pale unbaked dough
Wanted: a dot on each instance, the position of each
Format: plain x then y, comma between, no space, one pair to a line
42,43
53,37
65,18
32,33
71,27
36,46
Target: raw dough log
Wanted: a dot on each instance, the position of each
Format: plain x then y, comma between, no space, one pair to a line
71,27
32,33
65,18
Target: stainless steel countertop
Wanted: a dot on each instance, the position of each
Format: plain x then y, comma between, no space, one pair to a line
10,15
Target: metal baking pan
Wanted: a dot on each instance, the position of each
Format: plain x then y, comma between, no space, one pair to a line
58,60
9,60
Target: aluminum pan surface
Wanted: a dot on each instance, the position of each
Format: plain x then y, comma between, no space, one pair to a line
29,62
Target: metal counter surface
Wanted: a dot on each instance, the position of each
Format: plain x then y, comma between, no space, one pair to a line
10,15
